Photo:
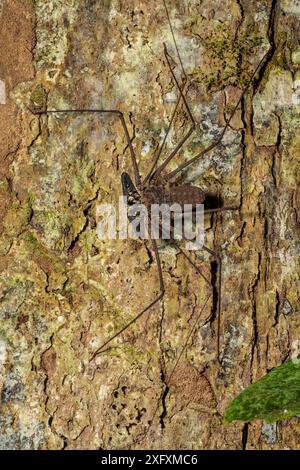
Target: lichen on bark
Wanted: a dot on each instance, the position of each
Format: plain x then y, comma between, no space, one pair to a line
64,291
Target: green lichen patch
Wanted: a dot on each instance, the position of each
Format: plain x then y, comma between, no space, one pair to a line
46,260
38,97
16,217
223,53
274,397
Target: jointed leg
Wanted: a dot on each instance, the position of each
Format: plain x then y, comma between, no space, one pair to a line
190,131
198,270
217,257
220,209
157,299
165,137
104,111
207,211
189,336
181,95
214,144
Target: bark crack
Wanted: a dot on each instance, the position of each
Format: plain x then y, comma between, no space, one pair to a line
245,436
254,312
163,374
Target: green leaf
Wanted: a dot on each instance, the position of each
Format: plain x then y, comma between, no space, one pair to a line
274,397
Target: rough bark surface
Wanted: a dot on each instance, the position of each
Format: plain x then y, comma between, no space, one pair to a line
63,291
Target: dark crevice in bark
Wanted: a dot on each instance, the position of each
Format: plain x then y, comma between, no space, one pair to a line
163,374
12,154
86,224
242,10
215,294
277,310
275,169
34,35
272,40
47,285
239,62
245,436
163,402
273,18
38,135
48,397
267,351
65,442
150,256
77,237
279,134
266,247
254,311
243,145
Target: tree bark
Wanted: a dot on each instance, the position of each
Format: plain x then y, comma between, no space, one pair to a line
64,291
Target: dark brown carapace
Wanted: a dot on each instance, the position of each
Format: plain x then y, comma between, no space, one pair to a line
161,193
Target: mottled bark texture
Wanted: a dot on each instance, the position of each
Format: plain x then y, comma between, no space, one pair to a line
63,291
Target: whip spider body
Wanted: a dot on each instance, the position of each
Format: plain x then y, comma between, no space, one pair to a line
162,186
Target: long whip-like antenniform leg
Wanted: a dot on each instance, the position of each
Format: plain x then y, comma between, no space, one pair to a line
173,37
189,336
218,259
169,377
191,129
139,315
191,332
157,157
103,111
214,144
198,270
150,175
